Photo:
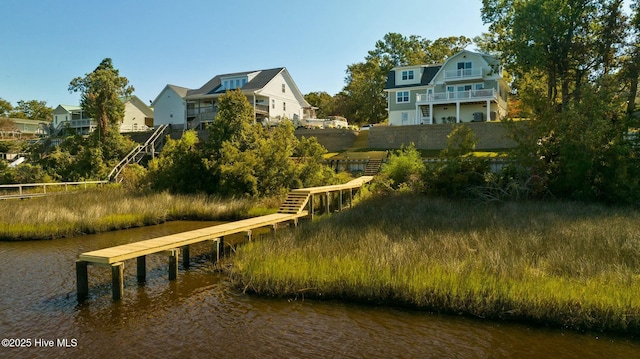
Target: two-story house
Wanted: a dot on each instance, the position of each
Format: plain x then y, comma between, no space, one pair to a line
468,87
137,117
272,93
72,117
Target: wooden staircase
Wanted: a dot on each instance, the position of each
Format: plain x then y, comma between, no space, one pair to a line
372,168
294,203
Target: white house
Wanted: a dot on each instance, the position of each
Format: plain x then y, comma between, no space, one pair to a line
138,116
468,87
272,93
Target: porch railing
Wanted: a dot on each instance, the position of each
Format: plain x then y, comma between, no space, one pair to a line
462,74
484,94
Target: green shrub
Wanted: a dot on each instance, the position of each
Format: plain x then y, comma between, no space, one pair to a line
405,168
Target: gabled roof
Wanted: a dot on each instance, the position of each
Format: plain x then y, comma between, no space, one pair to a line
181,91
463,53
428,74
214,86
137,102
70,107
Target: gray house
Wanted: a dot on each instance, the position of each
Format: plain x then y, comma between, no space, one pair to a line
467,87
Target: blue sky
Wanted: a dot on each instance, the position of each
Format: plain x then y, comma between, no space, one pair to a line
46,43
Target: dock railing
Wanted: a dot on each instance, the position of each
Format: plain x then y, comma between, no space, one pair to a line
28,190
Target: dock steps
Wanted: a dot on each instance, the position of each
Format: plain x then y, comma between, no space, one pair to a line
372,168
294,203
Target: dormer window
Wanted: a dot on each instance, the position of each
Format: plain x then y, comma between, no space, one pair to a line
231,84
407,75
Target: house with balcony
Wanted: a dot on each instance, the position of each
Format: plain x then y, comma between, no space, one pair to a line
137,117
272,93
73,118
467,87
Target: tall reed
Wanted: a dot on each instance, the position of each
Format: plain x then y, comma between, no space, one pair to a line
567,264
108,209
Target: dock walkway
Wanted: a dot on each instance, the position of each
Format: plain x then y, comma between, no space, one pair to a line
290,212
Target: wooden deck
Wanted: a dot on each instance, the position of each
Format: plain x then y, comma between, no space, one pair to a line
123,252
292,210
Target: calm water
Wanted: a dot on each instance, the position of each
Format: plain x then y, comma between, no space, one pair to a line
200,316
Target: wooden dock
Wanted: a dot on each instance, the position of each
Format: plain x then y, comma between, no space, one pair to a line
290,212
325,194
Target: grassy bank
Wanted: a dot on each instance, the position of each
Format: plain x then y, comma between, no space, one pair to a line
109,209
561,264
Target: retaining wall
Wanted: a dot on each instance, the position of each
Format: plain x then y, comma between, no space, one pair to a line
333,140
490,135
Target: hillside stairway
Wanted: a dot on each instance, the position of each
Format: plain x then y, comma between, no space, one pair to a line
294,203
373,167
149,148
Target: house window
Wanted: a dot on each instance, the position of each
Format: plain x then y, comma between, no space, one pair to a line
402,97
283,88
284,106
464,68
407,75
273,104
478,86
237,83
405,117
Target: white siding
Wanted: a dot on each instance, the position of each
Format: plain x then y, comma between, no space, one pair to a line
274,91
395,118
169,108
133,117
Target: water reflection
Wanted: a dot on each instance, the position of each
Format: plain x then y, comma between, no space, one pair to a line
200,315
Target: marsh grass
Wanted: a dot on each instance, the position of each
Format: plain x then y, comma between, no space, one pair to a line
109,209
565,264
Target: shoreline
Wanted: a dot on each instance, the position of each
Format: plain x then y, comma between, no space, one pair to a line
565,265
110,209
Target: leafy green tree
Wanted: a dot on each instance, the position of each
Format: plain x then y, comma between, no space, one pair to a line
631,65
323,101
179,167
275,169
239,158
101,94
233,121
311,170
569,42
7,125
5,108
34,110
585,152
6,173
367,101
